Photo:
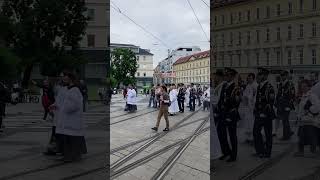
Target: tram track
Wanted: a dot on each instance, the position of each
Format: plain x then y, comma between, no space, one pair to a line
51,166
126,119
267,165
148,143
147,138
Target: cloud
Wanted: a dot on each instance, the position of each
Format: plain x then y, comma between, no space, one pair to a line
170,20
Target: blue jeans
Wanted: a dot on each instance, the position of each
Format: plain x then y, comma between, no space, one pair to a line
151,100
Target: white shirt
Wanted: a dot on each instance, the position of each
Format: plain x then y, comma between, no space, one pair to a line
132,97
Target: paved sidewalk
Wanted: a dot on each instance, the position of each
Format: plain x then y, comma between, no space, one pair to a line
26,136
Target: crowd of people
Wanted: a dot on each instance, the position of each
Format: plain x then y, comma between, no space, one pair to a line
254,105
169,99
64,101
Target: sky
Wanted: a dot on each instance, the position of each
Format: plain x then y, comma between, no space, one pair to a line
171,21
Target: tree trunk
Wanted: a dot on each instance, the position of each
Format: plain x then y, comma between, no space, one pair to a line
26,76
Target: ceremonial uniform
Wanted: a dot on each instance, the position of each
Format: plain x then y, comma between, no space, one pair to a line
264,114
227,118
284,104
192,99
181,98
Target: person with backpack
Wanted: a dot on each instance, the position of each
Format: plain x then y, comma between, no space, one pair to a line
47,96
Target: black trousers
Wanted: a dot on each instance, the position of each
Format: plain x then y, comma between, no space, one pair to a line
181,105
284,116
192,104
223,129
261,146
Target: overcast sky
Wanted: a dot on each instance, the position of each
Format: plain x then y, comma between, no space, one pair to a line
170,20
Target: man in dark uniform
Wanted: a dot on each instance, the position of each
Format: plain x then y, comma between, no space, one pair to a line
264,114
192,97
285,103
181,97
4,98
199,94
227,109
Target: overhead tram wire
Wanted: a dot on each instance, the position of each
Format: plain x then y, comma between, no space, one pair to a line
198,20
205,3
115,7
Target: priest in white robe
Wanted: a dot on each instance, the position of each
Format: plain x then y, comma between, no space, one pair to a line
174,107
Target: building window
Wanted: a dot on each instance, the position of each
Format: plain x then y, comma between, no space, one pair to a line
248,59
231,38
314,4
248,37
268,58
258,13
301,56
278,34
289,32
240,16
222,39
91,40
268,12
278,10
231,60
239,60
91,14
278,57
301,31
290,8
258,35
231,18
301,5
289,57
222,17
215,20
268,34
222,59
314,29
314,56
144,74
258,58
248,15
239,34
215,60
138,74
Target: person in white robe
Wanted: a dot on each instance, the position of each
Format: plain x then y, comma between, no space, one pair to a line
247,106
132,99
216,92
174,107
187,95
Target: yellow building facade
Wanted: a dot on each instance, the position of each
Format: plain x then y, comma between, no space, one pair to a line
193,69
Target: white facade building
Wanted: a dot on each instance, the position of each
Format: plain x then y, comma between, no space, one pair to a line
145,71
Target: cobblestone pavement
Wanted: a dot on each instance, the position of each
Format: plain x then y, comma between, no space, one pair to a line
138,153
283,165
26,136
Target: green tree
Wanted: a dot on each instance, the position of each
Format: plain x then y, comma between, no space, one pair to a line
123,66
41,31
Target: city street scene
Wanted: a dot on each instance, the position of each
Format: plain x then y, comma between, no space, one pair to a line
265,99
159,121
54,99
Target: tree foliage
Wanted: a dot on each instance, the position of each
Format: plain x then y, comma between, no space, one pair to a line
123,66
41,31
9,68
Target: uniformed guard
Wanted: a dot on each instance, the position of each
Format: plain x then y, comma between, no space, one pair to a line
192,97
285,103
264,114
181,97
227,109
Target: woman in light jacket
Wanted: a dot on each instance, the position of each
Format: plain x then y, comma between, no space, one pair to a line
70,127
308,118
